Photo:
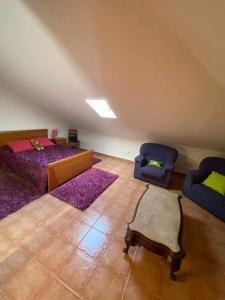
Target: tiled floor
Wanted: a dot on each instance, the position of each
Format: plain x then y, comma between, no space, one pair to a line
50,250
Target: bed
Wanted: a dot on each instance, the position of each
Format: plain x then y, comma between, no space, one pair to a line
47,168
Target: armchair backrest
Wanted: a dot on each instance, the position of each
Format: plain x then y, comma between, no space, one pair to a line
166,153
210,164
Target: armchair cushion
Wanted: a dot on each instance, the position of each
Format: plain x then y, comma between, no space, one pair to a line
216,182
155,163
150,171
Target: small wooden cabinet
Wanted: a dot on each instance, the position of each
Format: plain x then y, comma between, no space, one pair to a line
59,141
74,144
73,138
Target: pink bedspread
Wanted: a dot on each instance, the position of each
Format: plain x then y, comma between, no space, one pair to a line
32,164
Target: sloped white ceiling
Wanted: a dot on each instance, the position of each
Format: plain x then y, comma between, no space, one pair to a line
158,80
200,25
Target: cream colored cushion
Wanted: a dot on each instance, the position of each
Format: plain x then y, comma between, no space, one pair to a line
158,217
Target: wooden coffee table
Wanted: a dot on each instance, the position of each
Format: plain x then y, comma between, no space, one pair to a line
157,225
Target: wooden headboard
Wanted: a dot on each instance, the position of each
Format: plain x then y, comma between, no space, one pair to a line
6,136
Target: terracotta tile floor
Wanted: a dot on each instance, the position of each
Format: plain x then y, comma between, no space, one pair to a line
50,250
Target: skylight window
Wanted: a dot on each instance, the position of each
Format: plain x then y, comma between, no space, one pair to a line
101,107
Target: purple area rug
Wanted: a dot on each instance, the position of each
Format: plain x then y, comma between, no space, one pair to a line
96,160
82,190
15,193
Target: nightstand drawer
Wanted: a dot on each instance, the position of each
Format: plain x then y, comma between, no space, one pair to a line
74,144
59,141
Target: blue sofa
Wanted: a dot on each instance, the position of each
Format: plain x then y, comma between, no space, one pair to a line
162,153
202,195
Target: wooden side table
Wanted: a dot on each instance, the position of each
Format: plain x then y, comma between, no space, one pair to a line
59,141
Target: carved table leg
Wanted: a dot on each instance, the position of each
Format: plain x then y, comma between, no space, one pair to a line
128,241
125,250
174,267
172,275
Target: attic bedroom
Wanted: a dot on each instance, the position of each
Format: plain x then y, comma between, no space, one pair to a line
112,150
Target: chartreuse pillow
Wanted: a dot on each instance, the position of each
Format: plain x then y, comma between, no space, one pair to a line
216,182
155,163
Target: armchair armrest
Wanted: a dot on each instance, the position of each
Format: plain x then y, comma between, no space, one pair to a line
196,176
140,160
168,167
192,177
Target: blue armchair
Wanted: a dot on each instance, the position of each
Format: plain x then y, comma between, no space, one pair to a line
201,194
162,153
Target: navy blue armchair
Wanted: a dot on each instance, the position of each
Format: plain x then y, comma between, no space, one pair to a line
162,153
201,194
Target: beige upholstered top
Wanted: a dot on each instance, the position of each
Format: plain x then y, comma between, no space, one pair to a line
158,217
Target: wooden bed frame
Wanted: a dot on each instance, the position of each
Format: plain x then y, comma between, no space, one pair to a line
59,171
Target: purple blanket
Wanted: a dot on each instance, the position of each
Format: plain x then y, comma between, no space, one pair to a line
32,164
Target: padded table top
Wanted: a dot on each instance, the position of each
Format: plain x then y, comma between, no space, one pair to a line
158,217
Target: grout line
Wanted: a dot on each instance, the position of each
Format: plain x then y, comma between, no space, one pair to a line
55,277
128,277
101,258
97,265
145,289
35,296
53,236
15,273
125,285
196,290
17,269
96,258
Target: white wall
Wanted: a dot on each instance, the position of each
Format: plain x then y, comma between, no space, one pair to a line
17,114
189,157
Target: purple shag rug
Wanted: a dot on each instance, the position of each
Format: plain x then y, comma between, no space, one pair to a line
15,193
82,190
96,160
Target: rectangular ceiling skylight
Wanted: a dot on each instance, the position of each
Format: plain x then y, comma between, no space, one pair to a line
101,107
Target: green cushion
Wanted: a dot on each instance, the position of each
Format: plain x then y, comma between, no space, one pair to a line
155,163
216,182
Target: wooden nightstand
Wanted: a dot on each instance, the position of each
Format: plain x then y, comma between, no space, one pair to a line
59,141
74,144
